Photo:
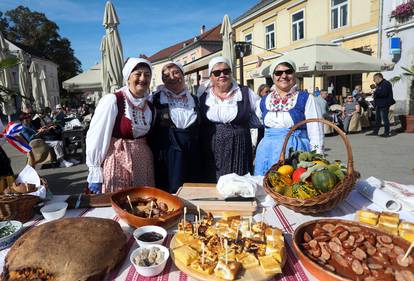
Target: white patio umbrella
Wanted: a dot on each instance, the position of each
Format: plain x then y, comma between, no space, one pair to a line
5,79
34,74
43,88
23,80
228,45
111,48
318,58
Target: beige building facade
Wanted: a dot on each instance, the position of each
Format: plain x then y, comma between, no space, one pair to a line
275,27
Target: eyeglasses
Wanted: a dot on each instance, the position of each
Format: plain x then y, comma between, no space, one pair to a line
280,72
218,72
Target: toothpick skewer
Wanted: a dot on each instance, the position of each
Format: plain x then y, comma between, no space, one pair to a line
130,204
202,253
263,213
185,213
250,224
408,251
199,212
225,249
273,237
196,225
150,212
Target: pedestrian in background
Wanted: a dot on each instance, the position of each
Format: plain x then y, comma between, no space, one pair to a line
383,99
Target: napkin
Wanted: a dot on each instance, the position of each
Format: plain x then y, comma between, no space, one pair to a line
390,196
29,175
233,185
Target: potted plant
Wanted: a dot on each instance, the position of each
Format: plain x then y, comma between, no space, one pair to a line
403,12
407,121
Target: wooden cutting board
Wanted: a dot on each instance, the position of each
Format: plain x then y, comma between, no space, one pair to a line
191,191
89,200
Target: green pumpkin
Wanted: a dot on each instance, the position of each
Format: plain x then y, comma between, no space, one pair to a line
324,180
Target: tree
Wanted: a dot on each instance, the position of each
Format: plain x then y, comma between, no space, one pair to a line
35,30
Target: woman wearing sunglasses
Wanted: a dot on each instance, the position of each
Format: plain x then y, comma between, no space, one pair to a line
225,112
283,107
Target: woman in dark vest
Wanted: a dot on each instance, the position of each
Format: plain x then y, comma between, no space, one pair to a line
174,138
117,152
283,107
225,112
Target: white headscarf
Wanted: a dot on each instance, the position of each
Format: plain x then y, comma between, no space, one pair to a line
279,61
217,60
177,64
131,64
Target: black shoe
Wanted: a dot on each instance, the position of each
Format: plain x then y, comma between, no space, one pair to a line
372,134
385,135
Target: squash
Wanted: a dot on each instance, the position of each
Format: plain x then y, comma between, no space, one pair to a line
304,190
324,180
279,181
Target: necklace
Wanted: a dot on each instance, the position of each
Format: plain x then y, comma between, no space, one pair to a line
137,112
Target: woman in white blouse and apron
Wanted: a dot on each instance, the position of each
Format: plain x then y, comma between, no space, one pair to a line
117,153
225,113
283,107
174,137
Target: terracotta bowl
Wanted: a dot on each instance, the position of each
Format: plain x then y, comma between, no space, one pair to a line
318,271
119,199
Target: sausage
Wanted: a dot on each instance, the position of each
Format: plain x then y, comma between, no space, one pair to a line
336,240
375,266
357,267
404,262
328,227
313,243
338,229
384,239
317,231
349,243
322,238
354,229
404,275
340,260
335,247
360,238
359,254
307,237
343,235
325,254
398,250
330,267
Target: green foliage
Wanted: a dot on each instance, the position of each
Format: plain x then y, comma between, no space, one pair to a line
35,30
8,62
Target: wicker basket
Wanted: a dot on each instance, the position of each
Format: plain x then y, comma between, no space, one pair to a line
17,207
325,201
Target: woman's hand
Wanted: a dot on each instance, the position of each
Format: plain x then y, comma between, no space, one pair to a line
95,187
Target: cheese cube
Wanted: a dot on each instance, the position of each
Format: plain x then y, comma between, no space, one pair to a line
269,265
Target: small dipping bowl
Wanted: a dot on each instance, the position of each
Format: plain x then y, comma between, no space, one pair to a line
7,241
152,270
54,211
147,230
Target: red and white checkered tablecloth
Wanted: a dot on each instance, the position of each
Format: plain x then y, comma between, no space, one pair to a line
278,216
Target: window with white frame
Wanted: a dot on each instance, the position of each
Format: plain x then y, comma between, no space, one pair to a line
270,36
339,13
298,26
248,38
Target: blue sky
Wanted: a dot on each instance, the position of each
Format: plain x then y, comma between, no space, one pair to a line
146,26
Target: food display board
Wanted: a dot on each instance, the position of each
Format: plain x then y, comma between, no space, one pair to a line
255,273
191,191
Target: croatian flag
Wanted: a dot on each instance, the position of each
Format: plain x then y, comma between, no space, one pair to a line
12,135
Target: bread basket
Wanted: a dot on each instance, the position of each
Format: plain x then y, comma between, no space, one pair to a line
325,201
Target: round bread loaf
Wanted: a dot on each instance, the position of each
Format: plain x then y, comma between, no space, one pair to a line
70,249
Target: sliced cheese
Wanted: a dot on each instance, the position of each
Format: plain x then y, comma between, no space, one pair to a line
269,265
185,254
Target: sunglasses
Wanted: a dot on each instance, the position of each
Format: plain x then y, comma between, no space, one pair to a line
217,73
280,72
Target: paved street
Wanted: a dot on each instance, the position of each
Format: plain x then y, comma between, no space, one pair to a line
385,158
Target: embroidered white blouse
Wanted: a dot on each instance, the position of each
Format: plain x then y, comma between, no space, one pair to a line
100,130
225,111
282,119
181,107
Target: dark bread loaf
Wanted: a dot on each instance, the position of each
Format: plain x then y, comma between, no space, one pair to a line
70,249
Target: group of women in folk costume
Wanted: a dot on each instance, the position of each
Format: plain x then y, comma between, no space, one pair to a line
170,137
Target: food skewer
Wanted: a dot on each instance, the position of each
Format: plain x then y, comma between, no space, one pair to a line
150,212
250,224
202,253
185,213
199,212
263,213
408,251
130,204
225,249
